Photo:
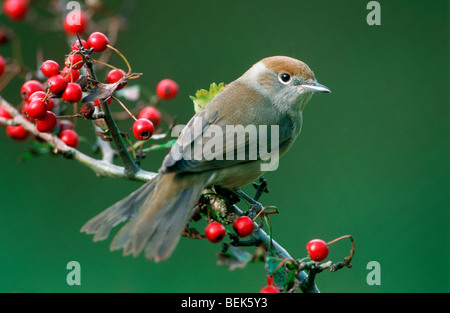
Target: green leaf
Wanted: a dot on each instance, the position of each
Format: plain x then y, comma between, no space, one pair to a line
283,276
37,149
235,258
203,97
271,264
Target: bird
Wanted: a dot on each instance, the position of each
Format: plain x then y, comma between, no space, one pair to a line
273,92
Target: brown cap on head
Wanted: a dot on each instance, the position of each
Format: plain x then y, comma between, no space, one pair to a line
291,66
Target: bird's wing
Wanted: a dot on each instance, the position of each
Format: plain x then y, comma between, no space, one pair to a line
202,144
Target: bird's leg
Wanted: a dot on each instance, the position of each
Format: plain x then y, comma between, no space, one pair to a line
233,196
228,194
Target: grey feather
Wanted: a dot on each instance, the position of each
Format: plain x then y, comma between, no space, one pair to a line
101,224
194,134
160,234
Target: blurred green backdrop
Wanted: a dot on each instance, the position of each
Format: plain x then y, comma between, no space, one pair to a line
372,160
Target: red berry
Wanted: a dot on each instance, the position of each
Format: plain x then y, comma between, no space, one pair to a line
143,129
243,226
98,41
72,93
152,114
50,104
48,123
76,45
41,95
56,83
2,65
69,137
50,68
36,95
36,109
15,9
71,75
5,114
30,87
75,22
64,125
167,89
74,61
17,132
270,289
24,113
215,232
317,250
114,76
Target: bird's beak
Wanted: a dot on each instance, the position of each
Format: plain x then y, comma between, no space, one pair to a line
316,87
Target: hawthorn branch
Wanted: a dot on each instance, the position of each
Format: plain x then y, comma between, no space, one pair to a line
7,122
131,167
308,285
100,167
107,151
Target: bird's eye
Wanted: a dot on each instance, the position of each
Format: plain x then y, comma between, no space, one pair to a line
285,78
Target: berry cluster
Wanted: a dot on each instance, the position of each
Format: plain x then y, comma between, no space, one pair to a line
61,84
149,117
243,226
68,84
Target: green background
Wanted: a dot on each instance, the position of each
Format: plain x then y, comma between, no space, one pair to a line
372,160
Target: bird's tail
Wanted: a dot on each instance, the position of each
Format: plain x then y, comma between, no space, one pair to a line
157,213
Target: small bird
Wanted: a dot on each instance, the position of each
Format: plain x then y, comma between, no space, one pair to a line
272,92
